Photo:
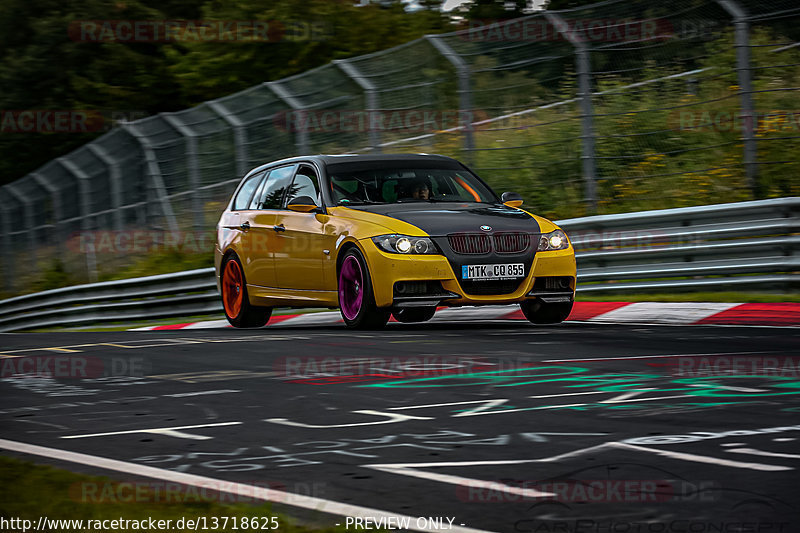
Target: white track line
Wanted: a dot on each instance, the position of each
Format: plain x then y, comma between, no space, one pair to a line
260,493
681,456
663,312
203,324
169,431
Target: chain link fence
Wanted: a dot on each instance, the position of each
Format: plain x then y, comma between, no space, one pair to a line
615,107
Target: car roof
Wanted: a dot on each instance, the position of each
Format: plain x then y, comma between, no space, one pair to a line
327,159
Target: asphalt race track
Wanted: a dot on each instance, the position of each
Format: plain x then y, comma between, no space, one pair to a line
502,426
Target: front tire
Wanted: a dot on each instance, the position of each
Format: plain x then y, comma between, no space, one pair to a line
238,309
356,299
414,314
540,312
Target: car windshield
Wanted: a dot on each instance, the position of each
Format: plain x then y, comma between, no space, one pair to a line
389,186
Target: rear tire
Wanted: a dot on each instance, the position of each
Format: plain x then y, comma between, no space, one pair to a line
238,309
539,312
356,299
413,314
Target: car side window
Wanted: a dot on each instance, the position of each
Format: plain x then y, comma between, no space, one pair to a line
259,190
305,184
242,200
274,189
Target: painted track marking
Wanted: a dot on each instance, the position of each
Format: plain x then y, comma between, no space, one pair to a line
413,469
169,432
704,459
227,487
751,451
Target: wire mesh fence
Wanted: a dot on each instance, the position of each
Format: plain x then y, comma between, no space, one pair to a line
619,106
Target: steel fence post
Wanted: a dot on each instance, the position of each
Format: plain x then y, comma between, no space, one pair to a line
58,205
8,250
29,214
239,135
583,67
154,172
371,93
83,179
190,137
114,181
741,22
464,91
86,208
280,91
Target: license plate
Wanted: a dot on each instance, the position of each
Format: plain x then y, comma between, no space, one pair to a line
503,271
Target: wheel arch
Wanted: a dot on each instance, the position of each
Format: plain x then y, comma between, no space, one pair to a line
342,250
225,256
346,246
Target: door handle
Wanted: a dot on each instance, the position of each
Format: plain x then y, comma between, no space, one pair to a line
279,228
245,225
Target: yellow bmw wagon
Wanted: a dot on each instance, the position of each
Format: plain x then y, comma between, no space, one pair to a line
385,235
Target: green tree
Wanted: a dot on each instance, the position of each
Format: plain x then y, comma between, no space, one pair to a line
44,66
314,33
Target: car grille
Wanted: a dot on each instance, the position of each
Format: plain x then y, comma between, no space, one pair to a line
469,243
511,243
489,287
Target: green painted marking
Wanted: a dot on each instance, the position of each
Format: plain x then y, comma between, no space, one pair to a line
573,377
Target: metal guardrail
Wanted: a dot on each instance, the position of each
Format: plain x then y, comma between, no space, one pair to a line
738,246
185,293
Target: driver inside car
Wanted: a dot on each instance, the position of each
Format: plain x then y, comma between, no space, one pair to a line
421,191
416,190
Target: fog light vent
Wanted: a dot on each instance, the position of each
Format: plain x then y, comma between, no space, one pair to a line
417,288
552,283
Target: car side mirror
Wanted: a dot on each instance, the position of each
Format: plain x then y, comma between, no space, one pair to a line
302,204
511,199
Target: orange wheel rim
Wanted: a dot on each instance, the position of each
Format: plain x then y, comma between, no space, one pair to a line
232,289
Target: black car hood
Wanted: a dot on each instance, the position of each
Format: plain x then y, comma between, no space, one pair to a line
439,219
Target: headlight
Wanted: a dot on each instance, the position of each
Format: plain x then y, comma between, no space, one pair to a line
555,240
402,244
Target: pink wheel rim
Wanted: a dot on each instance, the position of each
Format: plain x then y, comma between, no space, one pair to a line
351,287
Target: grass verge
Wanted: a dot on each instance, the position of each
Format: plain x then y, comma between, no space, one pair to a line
29,491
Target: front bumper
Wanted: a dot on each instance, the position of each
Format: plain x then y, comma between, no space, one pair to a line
387,269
